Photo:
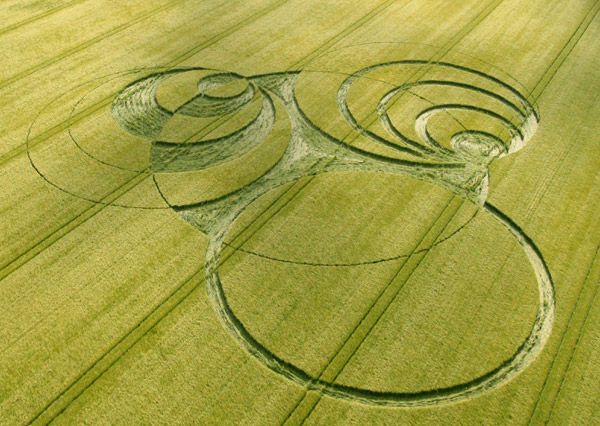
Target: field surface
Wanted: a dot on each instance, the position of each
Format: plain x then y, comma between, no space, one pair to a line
300,212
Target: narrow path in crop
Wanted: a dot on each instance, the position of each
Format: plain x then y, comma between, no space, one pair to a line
565,52
44,136
110,197
336,364
56,406
305,406
568,344
68,52
39,16
176,299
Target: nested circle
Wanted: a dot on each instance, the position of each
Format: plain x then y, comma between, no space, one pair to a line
70,165
524,352
101,154
379,98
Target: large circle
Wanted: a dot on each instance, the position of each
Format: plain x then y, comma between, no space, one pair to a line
505,371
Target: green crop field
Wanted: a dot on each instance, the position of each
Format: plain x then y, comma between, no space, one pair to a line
287,212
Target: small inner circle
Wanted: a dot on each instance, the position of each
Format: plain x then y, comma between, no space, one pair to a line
222,85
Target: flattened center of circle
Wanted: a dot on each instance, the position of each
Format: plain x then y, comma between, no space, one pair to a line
352,219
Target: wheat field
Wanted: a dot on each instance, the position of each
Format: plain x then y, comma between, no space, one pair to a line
300,212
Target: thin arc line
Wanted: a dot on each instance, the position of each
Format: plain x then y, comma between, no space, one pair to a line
450,47
95,201
104,203
11,156
204,132
342,145
168,298
217,140
527,217
18,150
205,44
506,72
162,195
99,160
274,6
365,315
74,140
359,263
50,182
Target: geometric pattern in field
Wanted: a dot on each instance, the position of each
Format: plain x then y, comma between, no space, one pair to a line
381,281
218,146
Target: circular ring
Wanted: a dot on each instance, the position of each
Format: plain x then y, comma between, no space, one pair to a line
525,354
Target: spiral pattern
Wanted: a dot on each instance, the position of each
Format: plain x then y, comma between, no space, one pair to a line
420,111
